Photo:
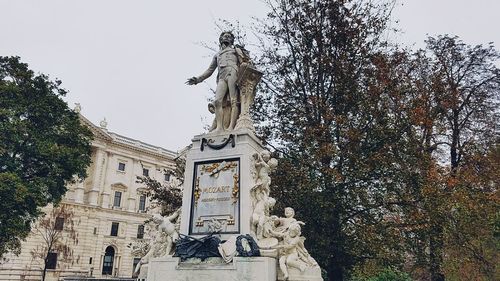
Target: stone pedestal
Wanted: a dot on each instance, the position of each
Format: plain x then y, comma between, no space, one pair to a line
217,183
220,172
214,269
131,204
218,177
105,200
93,196
310,274
79,194
143,274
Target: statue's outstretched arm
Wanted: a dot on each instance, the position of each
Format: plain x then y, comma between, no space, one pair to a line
173,216
204,75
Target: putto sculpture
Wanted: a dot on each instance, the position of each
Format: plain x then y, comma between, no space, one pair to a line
163,237
236,81
293,252
264,165
282,234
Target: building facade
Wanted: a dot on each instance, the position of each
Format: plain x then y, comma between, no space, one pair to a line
109,210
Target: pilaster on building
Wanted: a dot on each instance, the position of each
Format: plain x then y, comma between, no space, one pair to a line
109,210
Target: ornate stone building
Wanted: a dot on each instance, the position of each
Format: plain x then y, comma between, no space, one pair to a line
108,211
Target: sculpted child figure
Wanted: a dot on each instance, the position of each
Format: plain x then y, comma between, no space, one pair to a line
166,235
264,165
261,215
293,253
168,226
284,223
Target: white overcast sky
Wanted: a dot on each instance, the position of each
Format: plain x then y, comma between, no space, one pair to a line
127,61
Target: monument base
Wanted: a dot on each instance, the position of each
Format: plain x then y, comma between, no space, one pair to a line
241,269
143,273
310,274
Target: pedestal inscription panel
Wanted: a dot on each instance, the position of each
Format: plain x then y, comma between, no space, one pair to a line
215,205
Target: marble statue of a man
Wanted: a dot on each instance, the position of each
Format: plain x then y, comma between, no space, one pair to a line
227,60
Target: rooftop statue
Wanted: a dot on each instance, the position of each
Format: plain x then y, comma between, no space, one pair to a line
236,81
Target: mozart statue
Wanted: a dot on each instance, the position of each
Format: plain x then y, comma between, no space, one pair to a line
236,81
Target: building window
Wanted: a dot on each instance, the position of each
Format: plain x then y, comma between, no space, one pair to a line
109,258
145,172
167,177
114,229
59,223
142,203
134,265
118,199
140,231
51,261
90,260
121,166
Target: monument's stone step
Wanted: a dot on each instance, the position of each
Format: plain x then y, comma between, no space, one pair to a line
240,269
80,278
309,274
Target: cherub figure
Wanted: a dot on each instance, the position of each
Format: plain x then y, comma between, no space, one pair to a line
269,227
261,215
284,223
162,242
168,226
293,252
264,164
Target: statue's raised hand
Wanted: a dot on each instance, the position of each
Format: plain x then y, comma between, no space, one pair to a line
192,81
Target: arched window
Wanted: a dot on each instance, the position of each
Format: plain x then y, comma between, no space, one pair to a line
107,265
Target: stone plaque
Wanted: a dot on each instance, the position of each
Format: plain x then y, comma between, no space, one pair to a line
216,197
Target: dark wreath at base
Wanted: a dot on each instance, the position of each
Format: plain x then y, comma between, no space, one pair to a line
208,246
203,248
254,248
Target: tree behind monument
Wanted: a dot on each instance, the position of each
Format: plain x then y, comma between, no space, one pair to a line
334,132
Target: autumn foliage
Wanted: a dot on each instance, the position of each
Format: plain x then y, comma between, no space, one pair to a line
390,155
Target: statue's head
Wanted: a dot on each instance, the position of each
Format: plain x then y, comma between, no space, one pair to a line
271,202
266,155
289,212
157,218
294,230
226,37
273,163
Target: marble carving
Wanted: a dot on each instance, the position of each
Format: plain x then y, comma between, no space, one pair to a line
236,82
163,232
228,191
279,233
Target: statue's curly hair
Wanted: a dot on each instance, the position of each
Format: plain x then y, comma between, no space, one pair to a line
226,32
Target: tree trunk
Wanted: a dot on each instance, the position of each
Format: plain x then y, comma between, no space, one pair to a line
436,254
455,137
44,272
336,263
334,271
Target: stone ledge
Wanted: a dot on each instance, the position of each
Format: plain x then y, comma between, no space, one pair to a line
241,269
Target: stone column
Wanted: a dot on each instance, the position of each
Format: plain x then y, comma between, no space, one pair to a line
133,194
98,169
105,200
79,192
104,181
249,78
131,203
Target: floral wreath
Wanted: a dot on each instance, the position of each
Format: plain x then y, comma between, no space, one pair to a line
254,248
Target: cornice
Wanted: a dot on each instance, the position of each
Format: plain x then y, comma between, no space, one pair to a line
109,138
107,210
